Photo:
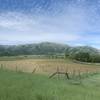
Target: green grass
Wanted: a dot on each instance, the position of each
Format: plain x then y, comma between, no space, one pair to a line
24,86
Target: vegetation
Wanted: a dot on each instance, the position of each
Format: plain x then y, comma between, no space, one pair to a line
45,48
18,85
23,86
84,54
47,66
52,50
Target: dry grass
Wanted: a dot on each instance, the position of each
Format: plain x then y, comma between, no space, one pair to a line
48,66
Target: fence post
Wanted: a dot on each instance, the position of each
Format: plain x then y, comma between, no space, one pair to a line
79,72
34,70
67,75
58,72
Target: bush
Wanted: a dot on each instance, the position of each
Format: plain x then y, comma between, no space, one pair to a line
82,56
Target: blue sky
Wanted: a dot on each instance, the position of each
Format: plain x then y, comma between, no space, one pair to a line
73,22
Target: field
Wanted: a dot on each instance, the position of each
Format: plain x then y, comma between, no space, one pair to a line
17,82
47,66
24,86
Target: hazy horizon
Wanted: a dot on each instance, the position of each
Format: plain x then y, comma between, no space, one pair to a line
72,22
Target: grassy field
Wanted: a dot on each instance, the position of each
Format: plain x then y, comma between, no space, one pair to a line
16,84
47,66
25,86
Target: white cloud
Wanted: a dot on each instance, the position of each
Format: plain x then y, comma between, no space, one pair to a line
69,27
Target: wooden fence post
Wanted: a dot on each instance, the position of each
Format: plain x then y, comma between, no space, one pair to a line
67,75
58,72
34,70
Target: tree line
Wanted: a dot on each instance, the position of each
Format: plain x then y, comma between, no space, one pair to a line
83,54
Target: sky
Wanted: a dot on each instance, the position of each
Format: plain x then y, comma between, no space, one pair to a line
73,22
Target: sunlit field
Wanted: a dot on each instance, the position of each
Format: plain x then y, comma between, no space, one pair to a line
48,66
18,82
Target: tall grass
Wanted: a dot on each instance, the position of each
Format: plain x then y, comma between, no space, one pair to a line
24,86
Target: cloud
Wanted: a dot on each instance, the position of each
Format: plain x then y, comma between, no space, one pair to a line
76,23
19,27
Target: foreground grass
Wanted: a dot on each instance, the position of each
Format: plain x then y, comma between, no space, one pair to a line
23,86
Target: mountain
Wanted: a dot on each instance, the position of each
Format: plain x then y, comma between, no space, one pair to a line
80,53
84,49
83,53
44,48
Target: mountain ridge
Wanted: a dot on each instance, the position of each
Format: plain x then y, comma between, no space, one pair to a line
44,48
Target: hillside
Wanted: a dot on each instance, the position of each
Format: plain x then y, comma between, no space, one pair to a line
81,53
44,48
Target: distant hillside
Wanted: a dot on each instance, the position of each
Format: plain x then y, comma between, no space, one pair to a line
81,53
84,49
45,48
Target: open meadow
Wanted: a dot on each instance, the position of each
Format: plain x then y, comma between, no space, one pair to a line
48,66
25,86
17,82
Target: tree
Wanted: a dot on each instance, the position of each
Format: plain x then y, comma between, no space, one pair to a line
82,56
